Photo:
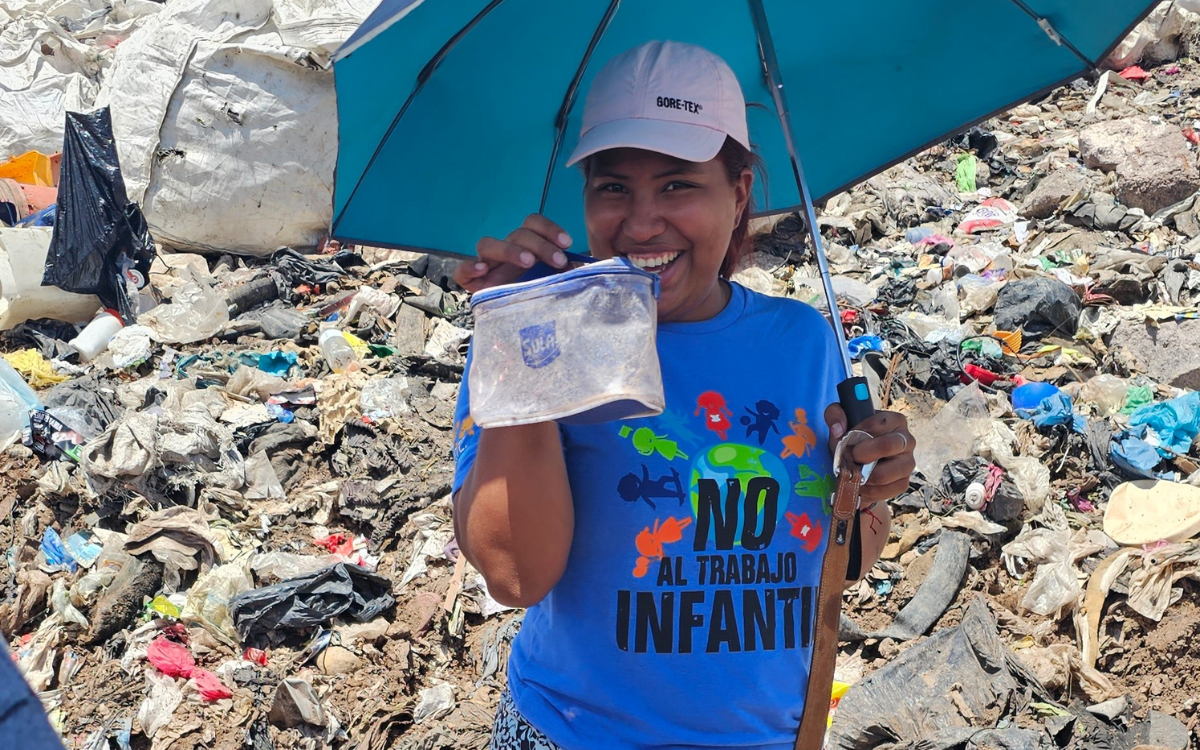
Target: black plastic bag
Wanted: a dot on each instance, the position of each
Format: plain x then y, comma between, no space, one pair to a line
100,245
1038,306
344,590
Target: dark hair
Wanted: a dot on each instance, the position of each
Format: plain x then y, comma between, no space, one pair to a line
736,158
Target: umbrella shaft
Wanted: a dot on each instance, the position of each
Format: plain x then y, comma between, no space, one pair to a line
766,52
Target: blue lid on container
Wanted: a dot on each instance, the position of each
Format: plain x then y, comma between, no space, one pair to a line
567,279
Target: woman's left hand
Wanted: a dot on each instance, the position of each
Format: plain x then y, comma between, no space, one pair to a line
891,445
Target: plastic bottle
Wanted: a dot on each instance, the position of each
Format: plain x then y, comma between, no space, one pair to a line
975,495
336,349
93,339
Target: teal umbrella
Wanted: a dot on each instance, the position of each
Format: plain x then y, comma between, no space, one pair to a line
456,117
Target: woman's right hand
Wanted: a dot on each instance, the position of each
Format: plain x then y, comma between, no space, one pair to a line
504,261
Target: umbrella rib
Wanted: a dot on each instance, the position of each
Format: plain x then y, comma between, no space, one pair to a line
422,78
564,111
766,54
1053,33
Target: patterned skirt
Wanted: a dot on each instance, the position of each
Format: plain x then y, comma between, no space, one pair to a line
512,732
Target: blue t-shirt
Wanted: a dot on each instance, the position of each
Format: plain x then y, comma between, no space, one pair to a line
685,615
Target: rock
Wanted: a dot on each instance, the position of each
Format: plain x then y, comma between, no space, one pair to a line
1167,731
338,660
1168,353
1051,191
1154,165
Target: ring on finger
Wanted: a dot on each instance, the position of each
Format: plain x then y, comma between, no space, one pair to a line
905,439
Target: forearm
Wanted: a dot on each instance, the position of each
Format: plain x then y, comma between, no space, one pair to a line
874,525
514,517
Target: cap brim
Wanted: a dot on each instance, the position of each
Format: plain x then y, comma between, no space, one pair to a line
679,139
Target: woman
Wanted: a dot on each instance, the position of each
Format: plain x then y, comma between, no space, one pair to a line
669,564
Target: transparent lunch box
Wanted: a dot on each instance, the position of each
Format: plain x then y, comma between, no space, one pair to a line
578,347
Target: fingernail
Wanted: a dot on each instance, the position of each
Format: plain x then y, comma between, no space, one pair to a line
481,266
527,259
564,239
837,431
559,259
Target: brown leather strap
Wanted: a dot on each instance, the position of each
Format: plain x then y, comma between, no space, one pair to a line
829,607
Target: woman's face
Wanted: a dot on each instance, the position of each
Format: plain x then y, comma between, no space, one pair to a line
669,216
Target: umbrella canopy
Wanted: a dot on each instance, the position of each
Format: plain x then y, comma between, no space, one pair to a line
456,117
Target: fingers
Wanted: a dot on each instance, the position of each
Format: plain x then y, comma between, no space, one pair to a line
884,446
891,449
535,246
836,420
503,261
469,271
547,229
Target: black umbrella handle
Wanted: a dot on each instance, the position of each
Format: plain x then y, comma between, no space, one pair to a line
855,397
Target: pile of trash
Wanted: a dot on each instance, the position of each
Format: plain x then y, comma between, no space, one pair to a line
226,509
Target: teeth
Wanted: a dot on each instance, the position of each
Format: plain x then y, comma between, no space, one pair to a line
652,261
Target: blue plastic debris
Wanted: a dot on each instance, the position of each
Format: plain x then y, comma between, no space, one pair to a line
862,344
1172,424
55,551
1130,451
280,413
1028,396
1055,410
83,547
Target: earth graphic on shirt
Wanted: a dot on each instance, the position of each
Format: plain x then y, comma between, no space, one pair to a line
727,461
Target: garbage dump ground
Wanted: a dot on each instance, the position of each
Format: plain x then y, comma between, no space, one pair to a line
224,497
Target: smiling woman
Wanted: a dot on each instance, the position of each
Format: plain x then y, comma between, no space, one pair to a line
687,221
671,564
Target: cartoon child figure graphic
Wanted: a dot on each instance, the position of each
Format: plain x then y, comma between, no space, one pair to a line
802,439
716,414
761,420
632,488
647,443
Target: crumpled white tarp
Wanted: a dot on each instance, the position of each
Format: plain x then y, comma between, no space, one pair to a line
54,54
226,123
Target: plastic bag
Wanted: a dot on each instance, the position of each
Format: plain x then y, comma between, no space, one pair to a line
100,244
196,312
577,347
163,698
131,346
993,213
55,551
1106,393
384,397
285,565
208,600
978,294
950,434
1030,476
60,604
1174,423
1055,584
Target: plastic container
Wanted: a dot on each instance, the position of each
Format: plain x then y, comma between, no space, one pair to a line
336,349
1028,396
22,296
578,347
975,496
93,340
